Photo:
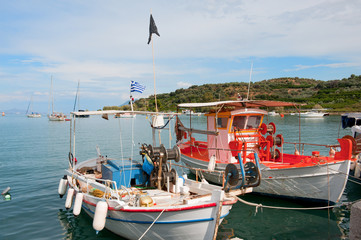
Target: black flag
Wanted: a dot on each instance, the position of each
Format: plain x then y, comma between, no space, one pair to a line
152,28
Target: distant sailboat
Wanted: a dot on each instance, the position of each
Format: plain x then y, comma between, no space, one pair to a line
31,114
54,116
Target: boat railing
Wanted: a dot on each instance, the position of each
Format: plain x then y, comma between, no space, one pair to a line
109,187
199,171
303,144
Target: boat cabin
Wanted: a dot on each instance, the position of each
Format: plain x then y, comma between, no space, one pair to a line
233,126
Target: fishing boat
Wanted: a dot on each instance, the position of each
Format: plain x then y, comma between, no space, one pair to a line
353,121
144,197
236,133
31,114
54,116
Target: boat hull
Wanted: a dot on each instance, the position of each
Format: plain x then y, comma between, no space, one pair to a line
172,224
321,182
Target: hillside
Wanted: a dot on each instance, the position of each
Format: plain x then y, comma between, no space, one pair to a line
339,95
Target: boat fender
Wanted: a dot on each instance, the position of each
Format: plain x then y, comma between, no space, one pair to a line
212,163
357,173
353,166
332,152
63,184
179,183
100,215
69,198
77,203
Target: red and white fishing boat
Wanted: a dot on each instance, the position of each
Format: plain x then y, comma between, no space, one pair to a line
237,137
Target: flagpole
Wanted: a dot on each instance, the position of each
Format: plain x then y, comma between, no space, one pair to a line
155,94
131,97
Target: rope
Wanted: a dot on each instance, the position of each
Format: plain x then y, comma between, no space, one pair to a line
257,205
151,225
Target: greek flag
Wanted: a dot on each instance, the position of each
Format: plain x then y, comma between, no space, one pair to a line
136,87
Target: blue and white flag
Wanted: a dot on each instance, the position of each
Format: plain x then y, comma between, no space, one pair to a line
136,87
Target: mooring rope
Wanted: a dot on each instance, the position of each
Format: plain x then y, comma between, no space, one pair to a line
259,205
151,224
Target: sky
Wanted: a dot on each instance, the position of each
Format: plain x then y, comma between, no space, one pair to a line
102,44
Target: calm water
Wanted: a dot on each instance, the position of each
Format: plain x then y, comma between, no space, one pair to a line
33,156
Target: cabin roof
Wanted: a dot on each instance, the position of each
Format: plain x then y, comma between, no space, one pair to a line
239,104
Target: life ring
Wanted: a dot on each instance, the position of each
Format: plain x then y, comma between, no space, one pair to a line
71,158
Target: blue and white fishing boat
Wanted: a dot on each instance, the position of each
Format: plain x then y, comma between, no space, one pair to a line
144,198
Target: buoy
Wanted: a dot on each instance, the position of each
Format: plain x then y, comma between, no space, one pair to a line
63,184
69,198
77,203
100,215
7,197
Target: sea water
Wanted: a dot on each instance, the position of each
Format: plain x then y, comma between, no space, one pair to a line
34,155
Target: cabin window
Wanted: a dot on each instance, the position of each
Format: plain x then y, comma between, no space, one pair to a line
239,122
222,122
253,121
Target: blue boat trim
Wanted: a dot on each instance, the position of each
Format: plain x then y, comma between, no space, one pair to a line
150,222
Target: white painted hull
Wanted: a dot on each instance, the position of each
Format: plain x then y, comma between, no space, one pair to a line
317,183
189,224
183,217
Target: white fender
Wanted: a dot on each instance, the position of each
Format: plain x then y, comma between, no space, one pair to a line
63,184
77,203
69,198
100,215
352,166
357,170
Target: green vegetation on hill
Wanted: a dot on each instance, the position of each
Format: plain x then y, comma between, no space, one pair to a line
338,95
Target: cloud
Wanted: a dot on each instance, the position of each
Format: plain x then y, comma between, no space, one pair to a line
184,84
330,65
104,45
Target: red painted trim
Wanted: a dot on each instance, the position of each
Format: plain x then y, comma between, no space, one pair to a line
159,210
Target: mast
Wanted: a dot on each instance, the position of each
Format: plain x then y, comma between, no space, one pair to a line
250,76
51,99
30,105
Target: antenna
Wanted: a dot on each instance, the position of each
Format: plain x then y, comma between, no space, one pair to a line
250,77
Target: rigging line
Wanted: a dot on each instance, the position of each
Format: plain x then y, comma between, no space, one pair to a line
121,148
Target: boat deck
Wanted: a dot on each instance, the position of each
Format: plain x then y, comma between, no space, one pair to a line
199,152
